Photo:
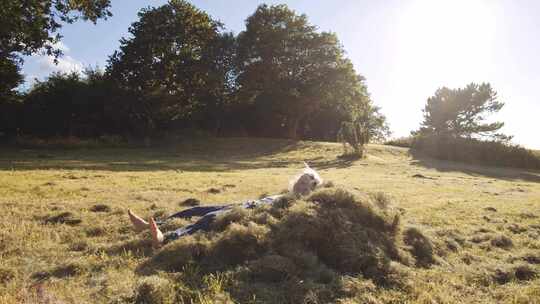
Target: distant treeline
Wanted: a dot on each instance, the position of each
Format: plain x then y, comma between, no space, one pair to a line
180,70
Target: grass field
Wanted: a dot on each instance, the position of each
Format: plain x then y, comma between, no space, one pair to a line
64,233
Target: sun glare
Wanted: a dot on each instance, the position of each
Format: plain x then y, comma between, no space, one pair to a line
446,40
434,44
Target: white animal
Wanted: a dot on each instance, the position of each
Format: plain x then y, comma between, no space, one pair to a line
306,182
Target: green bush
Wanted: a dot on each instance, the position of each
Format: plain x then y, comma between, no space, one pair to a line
404,142
476,151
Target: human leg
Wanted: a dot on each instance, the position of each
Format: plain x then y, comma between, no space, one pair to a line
157,235
198,211
202,224
138,223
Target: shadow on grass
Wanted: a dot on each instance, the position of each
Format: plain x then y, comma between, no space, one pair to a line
338,163
504,173
219,155
137,247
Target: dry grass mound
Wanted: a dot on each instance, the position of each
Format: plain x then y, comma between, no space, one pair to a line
67,218
100,208
421,247
292,252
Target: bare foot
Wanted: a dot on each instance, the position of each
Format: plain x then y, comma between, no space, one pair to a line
138,223
157,236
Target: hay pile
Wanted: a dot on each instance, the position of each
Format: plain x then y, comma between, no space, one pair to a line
327,247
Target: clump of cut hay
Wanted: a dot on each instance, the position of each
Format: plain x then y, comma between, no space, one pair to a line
421,247
298,250
95,231
174,223
79,246
154,289
328,184
522,272
70,269
500,274
381,200
6,275
100,208
502,241
525,272
67,218
190,202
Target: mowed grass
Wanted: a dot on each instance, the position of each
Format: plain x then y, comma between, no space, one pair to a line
65,235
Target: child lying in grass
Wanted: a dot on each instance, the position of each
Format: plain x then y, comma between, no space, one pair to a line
303,184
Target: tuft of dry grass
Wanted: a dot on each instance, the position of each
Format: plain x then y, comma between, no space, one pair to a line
420,247
502,241
154,289
100,208
67,218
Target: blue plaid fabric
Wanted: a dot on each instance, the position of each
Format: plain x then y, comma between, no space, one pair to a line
208,214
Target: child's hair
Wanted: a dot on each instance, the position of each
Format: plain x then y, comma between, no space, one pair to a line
306,182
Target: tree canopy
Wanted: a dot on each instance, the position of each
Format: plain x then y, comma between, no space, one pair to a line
289,71
174,65
70,104
27,27
463,113
180,70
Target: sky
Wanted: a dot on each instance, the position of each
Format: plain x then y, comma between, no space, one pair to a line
406,49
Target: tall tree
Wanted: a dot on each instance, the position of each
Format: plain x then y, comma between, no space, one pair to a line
289,71
463,112
27,27
10,104
174,65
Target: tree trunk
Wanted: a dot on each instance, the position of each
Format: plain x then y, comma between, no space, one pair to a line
292,128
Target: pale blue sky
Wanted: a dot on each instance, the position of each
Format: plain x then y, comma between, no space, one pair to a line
406,49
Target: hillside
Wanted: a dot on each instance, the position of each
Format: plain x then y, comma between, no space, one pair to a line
65,225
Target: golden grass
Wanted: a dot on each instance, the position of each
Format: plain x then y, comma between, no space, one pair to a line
65,234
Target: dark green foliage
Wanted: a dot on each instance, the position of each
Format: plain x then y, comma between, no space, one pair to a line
371,124
462,113
368,125
180,74
10,78
174,69
70,105
294,80
454,128
350,134
28,27
10,100
474,151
